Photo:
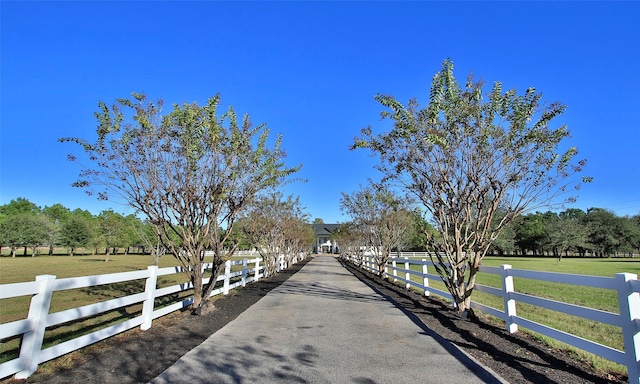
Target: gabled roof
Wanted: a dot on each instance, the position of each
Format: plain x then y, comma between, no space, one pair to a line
324,229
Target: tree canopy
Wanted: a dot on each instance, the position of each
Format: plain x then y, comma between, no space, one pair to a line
381,218
190,172
468,154
276,226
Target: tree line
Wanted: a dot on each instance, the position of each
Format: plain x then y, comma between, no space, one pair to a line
23,224
597,232
41,230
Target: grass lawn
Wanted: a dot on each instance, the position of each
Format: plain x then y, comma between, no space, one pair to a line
602,299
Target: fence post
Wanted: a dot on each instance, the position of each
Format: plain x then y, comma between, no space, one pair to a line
425,279
244,272
407,274
150,290
394,265
257,271
38,313
629,303
227,277
509,303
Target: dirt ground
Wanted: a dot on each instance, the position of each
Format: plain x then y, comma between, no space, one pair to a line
139,356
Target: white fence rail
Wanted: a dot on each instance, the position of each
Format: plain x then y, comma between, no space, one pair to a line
625,285
39,319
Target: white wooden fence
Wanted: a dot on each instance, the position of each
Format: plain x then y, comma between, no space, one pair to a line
39,319
625,285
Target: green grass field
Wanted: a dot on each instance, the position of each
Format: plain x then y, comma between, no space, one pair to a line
602,299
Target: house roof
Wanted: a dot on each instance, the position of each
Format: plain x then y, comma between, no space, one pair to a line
324,229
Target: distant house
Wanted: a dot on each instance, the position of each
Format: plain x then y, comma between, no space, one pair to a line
324,244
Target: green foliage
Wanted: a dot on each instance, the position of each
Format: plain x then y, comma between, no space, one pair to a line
605,231
17,206
23,230
530,232
598,231
113,231
57,213
76,232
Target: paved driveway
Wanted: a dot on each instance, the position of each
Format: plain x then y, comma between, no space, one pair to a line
323,325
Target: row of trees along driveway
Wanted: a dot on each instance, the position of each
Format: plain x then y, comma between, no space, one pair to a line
475,161
275,225
191,173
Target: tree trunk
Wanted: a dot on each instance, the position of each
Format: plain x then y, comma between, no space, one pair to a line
381,267
218,265
196,280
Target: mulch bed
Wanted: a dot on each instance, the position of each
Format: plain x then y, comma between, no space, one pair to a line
139,356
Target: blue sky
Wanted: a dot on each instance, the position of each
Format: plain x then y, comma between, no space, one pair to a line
310,71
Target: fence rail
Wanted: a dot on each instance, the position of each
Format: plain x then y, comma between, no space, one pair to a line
625,285
39,319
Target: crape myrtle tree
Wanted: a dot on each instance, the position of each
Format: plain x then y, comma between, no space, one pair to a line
383,218
191,172
299,235
466,155
350,237
276,226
